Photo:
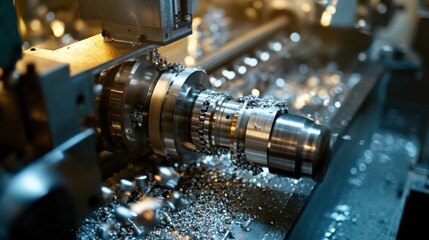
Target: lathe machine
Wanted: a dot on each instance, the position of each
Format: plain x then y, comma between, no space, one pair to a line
184,119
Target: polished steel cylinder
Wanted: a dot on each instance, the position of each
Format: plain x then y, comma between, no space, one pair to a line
122,107
298,147
260,132
174,113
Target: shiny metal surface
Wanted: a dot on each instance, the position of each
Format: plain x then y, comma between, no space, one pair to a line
261,132
117,93
170,107
258,133
247,36
243,43
133,21
219,199
145,105
137,100
184,118
122,106
92,55
303,141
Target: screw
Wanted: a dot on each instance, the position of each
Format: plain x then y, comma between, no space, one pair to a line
123,214
106,192
126,187
142,183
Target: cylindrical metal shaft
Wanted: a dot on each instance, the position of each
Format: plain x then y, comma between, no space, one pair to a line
261,132
174,113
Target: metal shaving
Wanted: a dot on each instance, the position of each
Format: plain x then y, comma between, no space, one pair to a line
253,101
216,192
242,162
162,64
157,60
137,117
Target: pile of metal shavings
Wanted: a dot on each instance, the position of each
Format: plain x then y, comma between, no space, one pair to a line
213,199
162,64
253,101
242,162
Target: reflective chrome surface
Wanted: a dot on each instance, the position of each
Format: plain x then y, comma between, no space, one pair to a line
303,141
132,21
260,132
170,108
289,50
184,118
122,106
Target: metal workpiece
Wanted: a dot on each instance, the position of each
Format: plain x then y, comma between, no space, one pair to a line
145,104
260,132
298,147
106,193
142,183
176,114
175,201
181,160
122,106
207,116
170,108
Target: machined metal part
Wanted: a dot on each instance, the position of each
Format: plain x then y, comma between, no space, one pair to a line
142,183
298,147
170,108
245,225
106,193
54,95
122,106
176,201
125,185
184,118
147,211
142,107
124,214
294,144
256,131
